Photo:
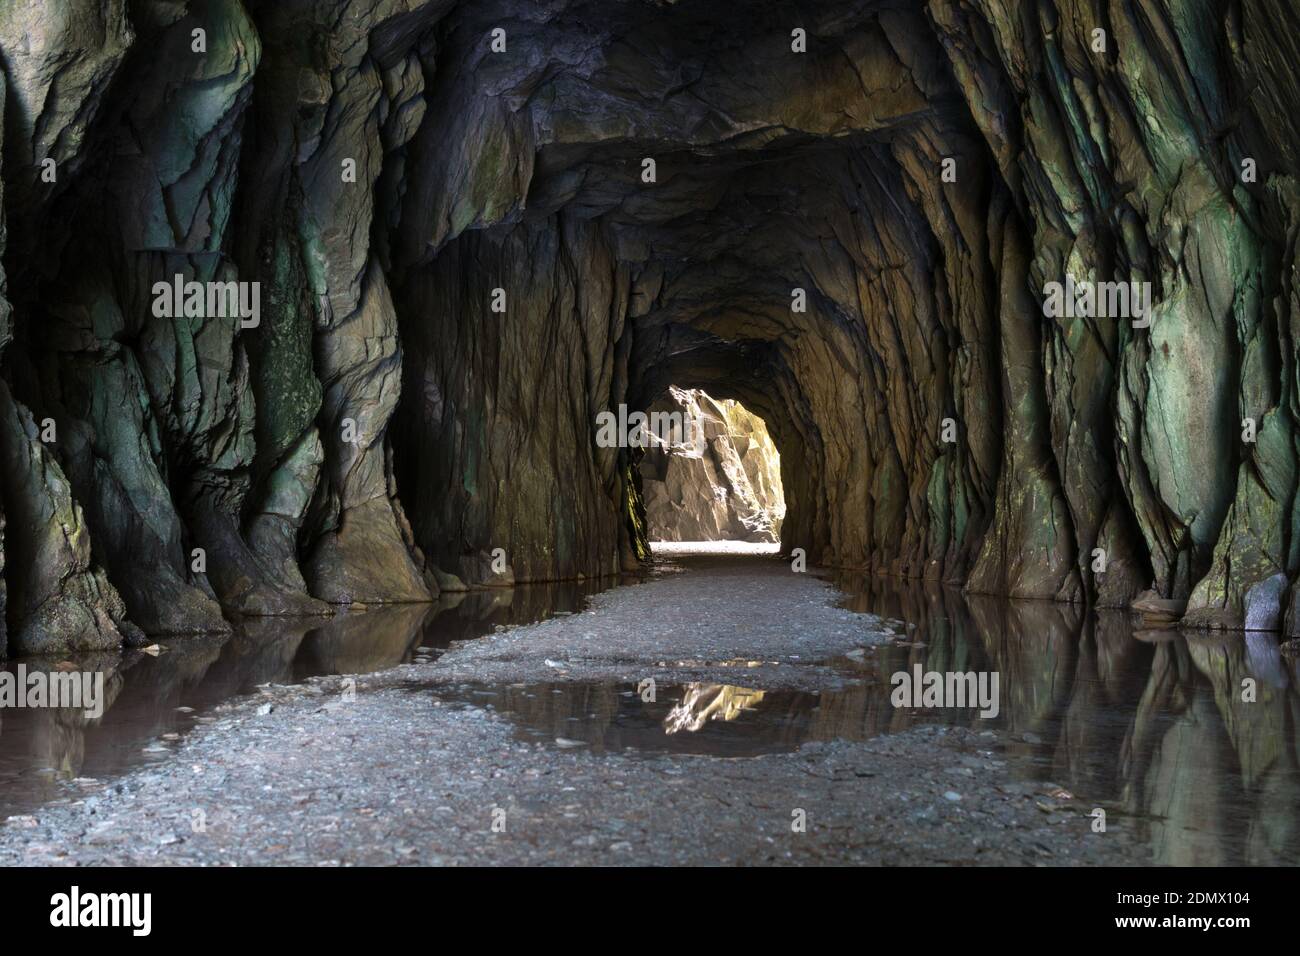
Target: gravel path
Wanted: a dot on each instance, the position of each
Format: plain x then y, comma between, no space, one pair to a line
705,616
385,769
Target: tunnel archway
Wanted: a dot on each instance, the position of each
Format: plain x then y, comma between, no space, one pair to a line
312,306
469,251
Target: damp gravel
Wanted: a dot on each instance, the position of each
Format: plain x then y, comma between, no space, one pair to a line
425,763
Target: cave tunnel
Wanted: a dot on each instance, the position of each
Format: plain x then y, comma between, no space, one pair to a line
310,307
475,228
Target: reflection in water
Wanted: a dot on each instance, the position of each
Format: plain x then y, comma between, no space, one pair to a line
1194,736
148,698
1155,725
705,702
719,720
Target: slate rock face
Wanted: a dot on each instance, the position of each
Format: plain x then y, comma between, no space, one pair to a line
61,600
715,477
463,257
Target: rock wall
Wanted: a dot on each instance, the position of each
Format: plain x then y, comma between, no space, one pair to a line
718,478
852,215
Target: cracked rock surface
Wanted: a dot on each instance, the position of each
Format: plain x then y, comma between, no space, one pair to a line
463,257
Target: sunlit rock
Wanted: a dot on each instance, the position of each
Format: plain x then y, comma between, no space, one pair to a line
720,481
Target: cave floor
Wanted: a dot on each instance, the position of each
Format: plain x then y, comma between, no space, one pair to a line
767,737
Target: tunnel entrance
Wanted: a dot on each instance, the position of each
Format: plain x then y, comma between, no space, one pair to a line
718,478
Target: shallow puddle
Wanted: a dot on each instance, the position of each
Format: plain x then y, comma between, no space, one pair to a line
720,720
1194,737
1193,734
151,701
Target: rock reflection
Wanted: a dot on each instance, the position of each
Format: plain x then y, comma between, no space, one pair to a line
720,720
1158,725
704,702
1212,753
151,700
1193,736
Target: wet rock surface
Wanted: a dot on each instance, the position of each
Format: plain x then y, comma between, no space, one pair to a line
463,258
